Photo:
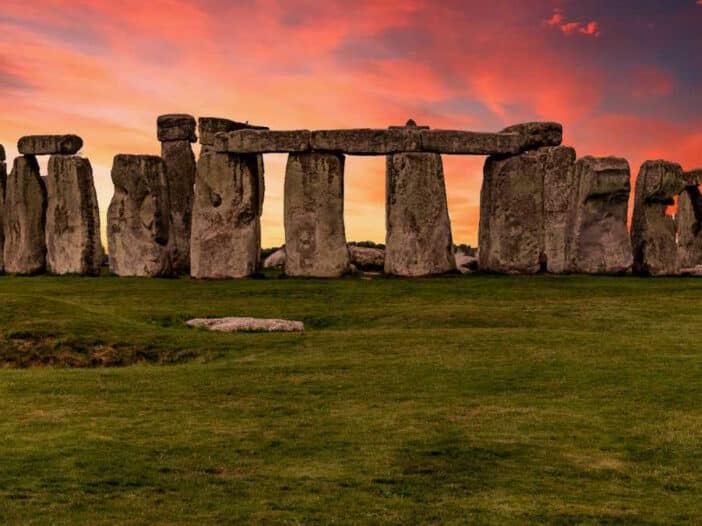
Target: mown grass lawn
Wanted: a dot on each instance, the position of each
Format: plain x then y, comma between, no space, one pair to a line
460,400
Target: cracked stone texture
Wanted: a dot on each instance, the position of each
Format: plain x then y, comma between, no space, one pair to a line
25,216
176,127
653,232
180,172
49,144
512,215
226,228
138,219
315,237
689,221
73,243
600,242
418,228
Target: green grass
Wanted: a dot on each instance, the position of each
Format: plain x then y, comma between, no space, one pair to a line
461,400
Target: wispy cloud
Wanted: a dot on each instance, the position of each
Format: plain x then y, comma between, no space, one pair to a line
559,21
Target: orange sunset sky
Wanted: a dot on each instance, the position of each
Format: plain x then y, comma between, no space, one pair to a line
624,77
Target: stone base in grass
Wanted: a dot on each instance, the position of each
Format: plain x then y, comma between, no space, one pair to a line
246,325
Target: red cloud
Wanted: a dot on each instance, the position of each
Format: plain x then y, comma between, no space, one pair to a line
559,21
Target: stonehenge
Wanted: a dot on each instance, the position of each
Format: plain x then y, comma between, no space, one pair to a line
315,238
418,230
689,221
24,218
139,229
653,232
542,209
176,132
226,229
73,243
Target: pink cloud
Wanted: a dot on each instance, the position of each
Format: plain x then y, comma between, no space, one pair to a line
571,27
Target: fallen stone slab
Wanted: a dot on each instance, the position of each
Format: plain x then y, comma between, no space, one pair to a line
466,263
263,141
247,325
693,272
138,219
209,127
24,218
315,238
599,238
73,243
226,226
367,258
535,135
176,127
653,231
49,144
418,229
276,259
367,141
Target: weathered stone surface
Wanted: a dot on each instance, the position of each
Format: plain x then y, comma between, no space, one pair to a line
276,259
470,143
49,144
209,127
466,263
180,172
558,167
25,215
247,325
367,258
535,135
367,141
3,184
315,238
653,232
176,127
418,229
263,141
689,221
72,217
226,228
599,239
512,215
138,219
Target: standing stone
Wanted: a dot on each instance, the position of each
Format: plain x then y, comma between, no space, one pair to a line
315,237
25,214
418,228
558,167
512,215
72,218
653,232
176,132
226,232
138,219
180,171
3,183
599,239
689,220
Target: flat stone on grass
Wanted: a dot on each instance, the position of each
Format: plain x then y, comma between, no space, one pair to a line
246,325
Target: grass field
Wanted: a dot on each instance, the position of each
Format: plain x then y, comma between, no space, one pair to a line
460,400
